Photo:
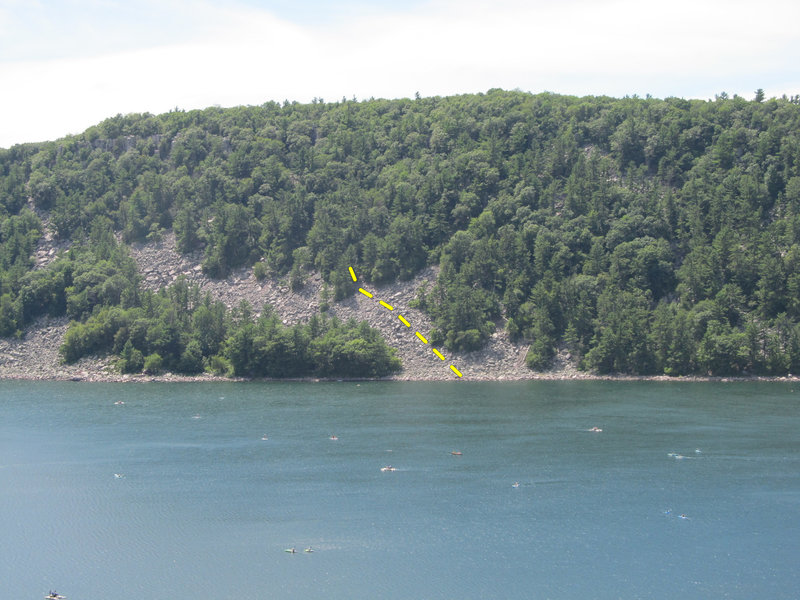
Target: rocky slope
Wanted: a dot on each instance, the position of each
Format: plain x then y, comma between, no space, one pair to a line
160,265
36,355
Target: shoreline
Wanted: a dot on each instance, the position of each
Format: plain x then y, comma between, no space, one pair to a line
104,377
35,358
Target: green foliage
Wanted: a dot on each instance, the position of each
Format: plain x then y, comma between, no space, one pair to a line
97,273
219,365
191,360
260,271
620,340
153,364
323,347
95,336
643,235
178,331
131,359
351,350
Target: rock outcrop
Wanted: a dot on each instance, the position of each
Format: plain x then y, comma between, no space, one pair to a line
36,355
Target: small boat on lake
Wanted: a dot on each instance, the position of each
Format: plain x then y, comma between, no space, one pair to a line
456,453
388,469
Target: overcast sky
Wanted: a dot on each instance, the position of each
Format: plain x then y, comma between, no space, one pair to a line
66,65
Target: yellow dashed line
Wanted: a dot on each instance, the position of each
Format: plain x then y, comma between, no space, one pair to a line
402,320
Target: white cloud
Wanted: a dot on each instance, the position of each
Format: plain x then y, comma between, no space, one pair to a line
243,55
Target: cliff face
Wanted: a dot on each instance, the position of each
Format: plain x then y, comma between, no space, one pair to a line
36,355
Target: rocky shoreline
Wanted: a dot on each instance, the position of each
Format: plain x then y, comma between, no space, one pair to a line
35,356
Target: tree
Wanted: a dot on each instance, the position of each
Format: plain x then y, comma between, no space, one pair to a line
620,342
723,351
131,359
153,364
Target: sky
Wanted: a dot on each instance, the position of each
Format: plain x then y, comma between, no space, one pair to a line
67,65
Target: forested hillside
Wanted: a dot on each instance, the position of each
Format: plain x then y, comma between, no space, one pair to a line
644,236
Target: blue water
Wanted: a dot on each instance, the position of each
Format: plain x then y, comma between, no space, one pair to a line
174,494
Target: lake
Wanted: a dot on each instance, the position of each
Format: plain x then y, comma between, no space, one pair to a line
184,490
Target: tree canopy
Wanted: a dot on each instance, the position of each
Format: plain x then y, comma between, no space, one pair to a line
643,235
